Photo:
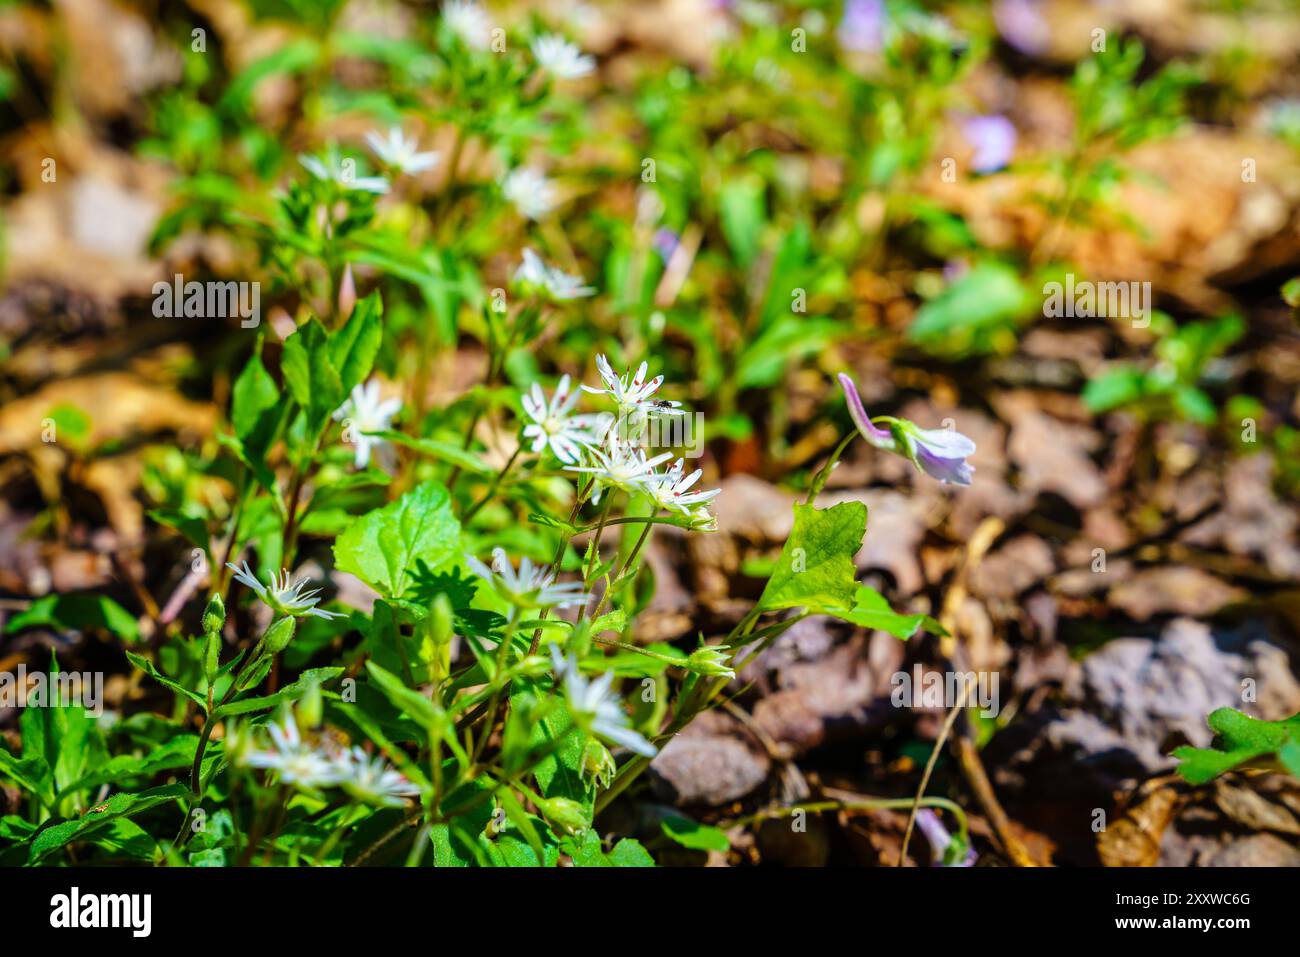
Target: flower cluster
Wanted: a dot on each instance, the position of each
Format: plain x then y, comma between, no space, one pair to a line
368,779
606,446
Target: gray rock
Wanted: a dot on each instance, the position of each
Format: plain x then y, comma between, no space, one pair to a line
711,762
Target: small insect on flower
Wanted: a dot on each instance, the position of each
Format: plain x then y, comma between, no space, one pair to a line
939,453
623,468
342,173
372,780
399,153
469,21
296,762
528,189
558,285
281,596
553,425
632,393
597,709
562,59
530,586
672,491
364,412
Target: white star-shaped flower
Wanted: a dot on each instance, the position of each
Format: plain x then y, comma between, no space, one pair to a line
293,759
342,173
372,780
556,283
672,491
283,596
469,21
528,189
596,708
632,392
624,468
399,153
553,425
529,587
561,58
363,412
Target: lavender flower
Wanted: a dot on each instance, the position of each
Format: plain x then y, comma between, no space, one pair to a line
994,140
862,28
943,849
939,453
1021,24
665,242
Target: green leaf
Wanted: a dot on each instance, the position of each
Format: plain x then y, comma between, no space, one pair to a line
354,347
192,527
742,214
77,612
147,666
816,566
629,853
1241,739
313,676
254,394
586,851
447,452
31,774
383,546
411,703
310,374
871,610
1115,389
119,805
988,299
175,753
293,57
559,774
693,834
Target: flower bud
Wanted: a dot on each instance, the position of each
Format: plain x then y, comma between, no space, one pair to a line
598,763
212,656
347,293
569,816
214,616
310,707
710,660
278,636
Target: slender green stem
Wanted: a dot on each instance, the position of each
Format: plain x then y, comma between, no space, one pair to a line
628,646
492,489
866,804
503,655
819,481
627,563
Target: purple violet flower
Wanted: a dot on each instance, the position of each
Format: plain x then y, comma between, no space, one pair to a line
1022,25
939,453
862,28
994,140
665,242
937,836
